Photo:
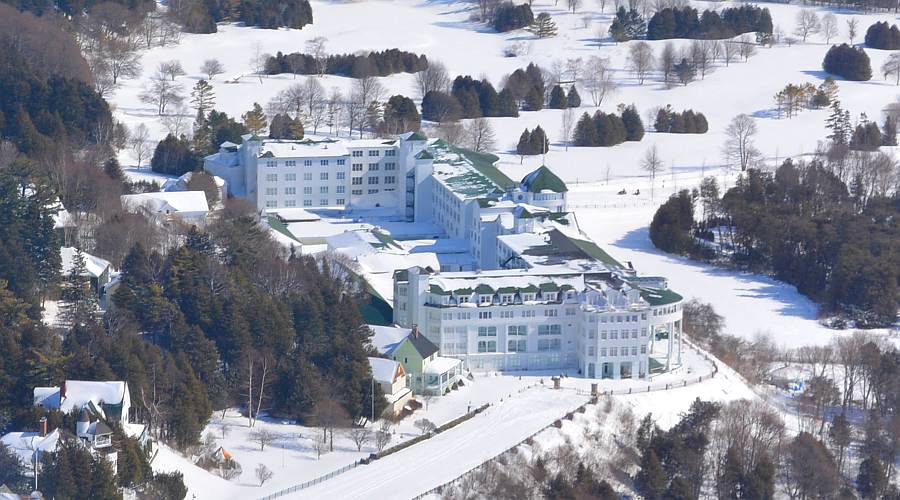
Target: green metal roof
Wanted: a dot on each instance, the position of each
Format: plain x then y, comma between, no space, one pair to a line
507,289
463,291
276,224
483,288
475,174
417,136
548,287
595,252
543,179
659,297
530,288
424,155
437,290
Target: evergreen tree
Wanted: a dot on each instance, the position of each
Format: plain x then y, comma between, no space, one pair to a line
728,484
174,156
872,478
285,127
539,143
534,100
78,303
543,26
889,132
651,480
506,104
401,115
849,62
255,120
634,126
441,107
558,99
509,16
574,100
586,132
203,97
523,147
685,71
839,124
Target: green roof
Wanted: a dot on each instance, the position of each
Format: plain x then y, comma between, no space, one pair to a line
483,288
424,155
417,136
595,252
437,290
660,297
386,239
463,291
471,173
276,224
543,179
530,288
525,214
548,287
507,289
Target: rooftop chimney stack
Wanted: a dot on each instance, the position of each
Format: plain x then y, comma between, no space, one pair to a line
43,422
62,391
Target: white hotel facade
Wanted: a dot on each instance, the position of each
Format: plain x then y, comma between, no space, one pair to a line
545,297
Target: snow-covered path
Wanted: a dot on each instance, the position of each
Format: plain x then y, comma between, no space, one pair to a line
448,455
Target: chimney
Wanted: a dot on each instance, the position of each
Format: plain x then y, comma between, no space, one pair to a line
43,422
62,392
415,331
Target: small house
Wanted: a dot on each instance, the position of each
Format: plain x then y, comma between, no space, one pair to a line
391,377
427,372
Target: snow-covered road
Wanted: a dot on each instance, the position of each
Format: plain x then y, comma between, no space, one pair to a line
448,455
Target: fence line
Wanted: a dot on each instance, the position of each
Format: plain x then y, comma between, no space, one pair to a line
659,387
311,482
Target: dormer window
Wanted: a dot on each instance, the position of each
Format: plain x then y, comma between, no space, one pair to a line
506,298
484,299
551,296
527,296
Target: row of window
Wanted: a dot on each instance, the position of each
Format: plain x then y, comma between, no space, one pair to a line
307,176
614,351
306,163
307,190
306,203
544,345
388,179
358,167
491,331
374,152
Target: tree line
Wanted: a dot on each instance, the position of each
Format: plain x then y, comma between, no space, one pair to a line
609,129
685,122
376,63
686,22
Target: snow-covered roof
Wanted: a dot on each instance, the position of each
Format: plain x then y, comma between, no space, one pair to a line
80,393
386,338
467,173
293,214
504,281
543,180
95,266
180,183
372,143
26,444
168,202
302,149
383,370
441,365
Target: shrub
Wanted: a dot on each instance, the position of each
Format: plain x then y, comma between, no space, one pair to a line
440,106
383,63
848,62
509,16
686,122
174,156
882,36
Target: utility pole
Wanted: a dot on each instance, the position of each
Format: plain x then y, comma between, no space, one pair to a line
373,399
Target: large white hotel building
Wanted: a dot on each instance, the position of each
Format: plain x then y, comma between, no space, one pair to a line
540,294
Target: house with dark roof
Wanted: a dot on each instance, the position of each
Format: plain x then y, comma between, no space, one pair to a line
544,189
426,371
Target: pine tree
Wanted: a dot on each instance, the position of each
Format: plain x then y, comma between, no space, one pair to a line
634,127
543,26
651,479
837,122
78,304
889,132
203,97
685,71
586,132
558,99
523,148
534,100
255,120
507,105
539,142
573,98
872,478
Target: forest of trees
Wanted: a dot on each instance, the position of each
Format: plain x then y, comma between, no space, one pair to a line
685,22
201,16
836,243
383,63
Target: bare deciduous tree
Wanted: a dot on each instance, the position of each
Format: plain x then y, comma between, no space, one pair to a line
314,94
262,436
597,79
640,60
852,27
746,47
383,435
807,24
139,143
172,69
739,148
258,61
667,62
360,436
162,93
316,48
479,135
891,67
329,415
263,474
653,165
366,91
424,425
567,125
211,68
829,27
434,77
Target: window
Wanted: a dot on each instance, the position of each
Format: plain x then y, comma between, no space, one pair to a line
390,152
613,334
271,177
271,191
550,313
374,152
571,311
549,345
271,163
340,189
323,163
527,296
634,351
591,334
487,346
390,166
307,176
356,181
290,163
643,349
373,167
528,314
357,167
634,333
373,180
290,190
507,314
341,176
643,316
618,319
591,351
603,319
484,299
339,201
356,192
323,176
603,335
290,177
517,330
551,296
290,203
487,331
463,315
634,317
603,352
644,332
481,314
307,163
323,189
389,179
549,330
516,345
373,191
307,203
357,154
271,203
323,201
307,190
613,351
